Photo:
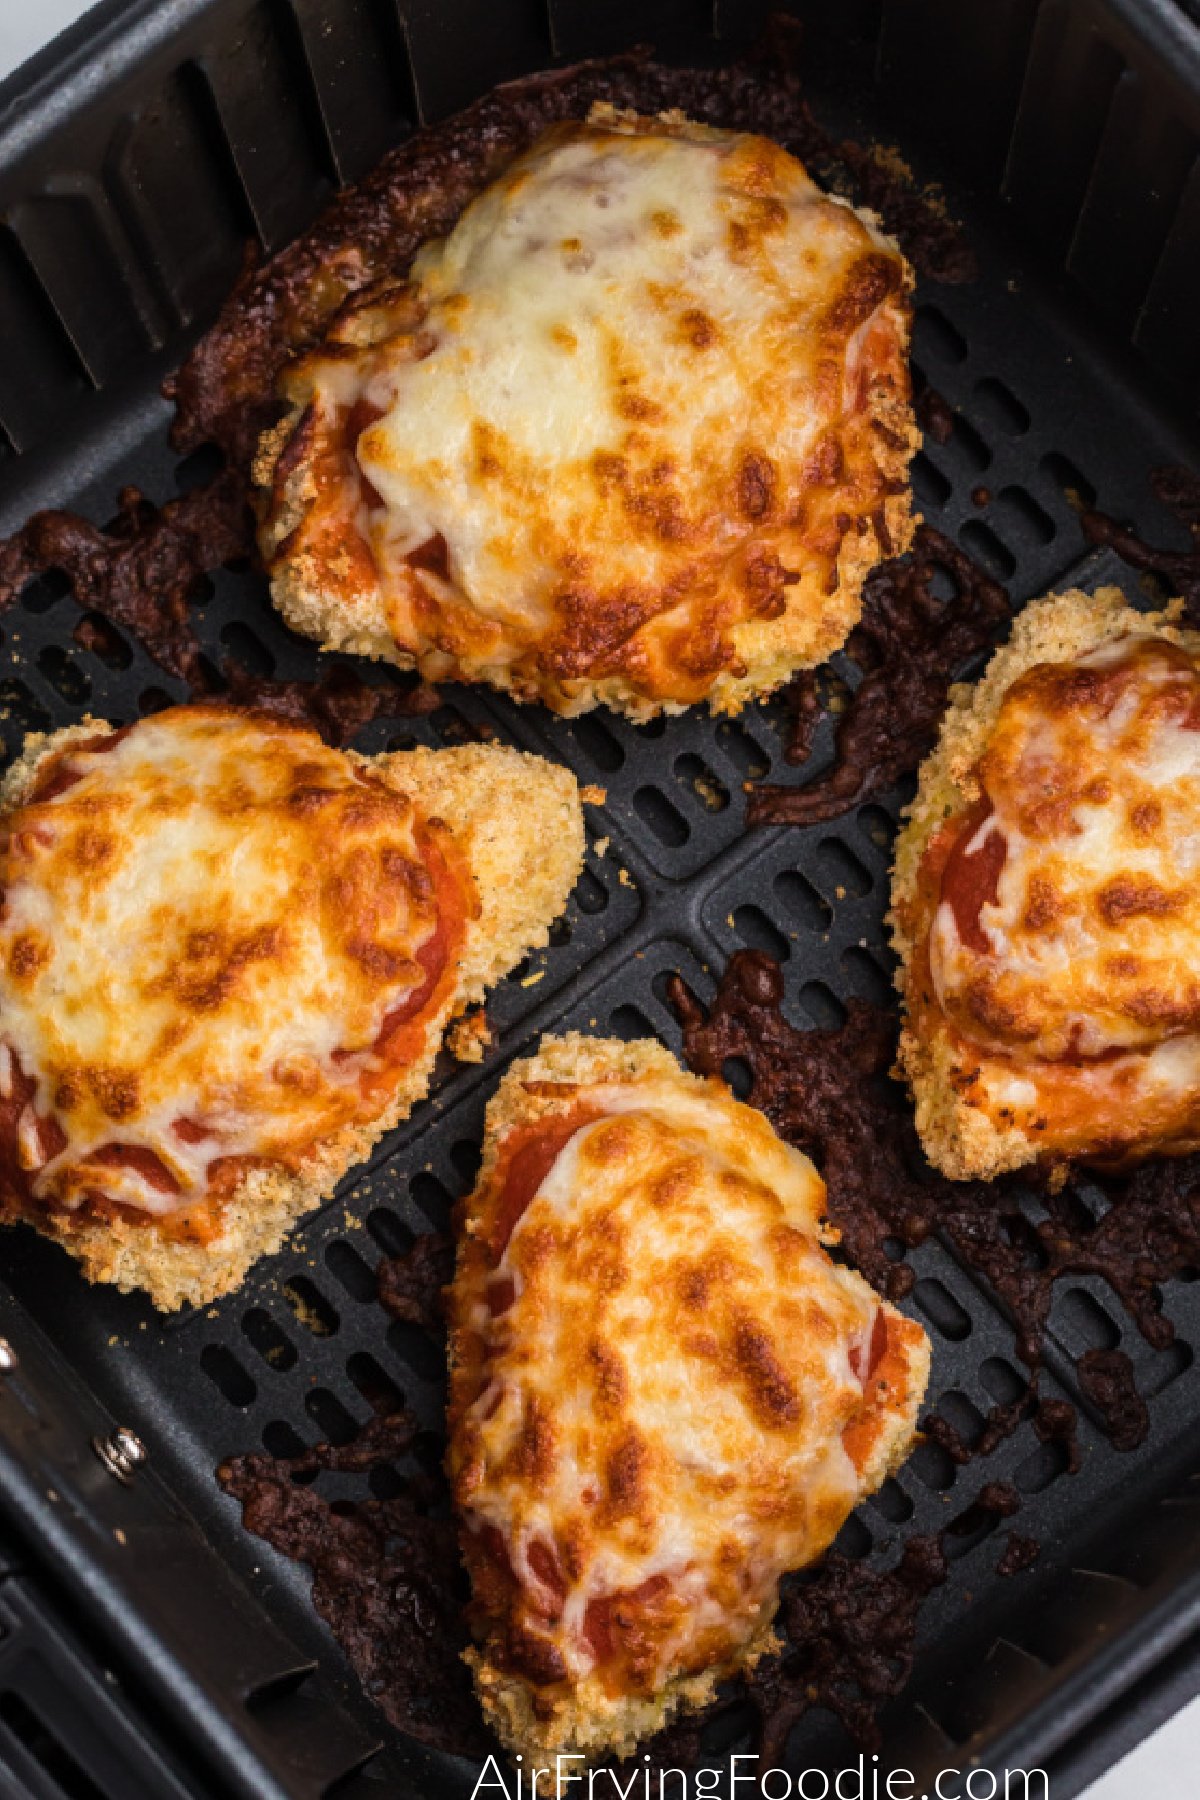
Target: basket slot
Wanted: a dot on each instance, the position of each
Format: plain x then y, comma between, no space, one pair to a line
1069,87
361,72
459,51
1166,329
959,69
37,387
579,28
171,176
1141,168
272,136
76,251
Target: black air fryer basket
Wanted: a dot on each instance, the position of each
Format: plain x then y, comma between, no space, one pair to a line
148,1645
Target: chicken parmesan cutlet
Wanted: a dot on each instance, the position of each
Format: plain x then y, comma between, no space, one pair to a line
664,1392
1045,903
228,955
632,434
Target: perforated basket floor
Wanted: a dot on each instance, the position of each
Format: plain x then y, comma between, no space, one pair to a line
1047,408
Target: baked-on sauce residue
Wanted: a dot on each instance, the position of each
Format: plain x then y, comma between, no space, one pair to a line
910,645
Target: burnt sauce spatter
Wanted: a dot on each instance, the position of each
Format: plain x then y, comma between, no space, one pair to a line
1177,489
141,575
910,646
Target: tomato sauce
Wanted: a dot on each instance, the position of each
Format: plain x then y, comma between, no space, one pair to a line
530,1154
56,778
610,1619
882,1362
971,879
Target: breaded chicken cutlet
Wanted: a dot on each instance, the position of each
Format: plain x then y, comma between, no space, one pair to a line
633,434
228,955
664,1392
1045,903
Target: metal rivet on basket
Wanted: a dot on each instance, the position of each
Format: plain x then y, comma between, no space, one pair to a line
122,1452
8,1357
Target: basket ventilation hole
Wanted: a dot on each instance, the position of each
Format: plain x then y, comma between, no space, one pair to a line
19,705
349,1270
931,487
39,1742
1167,1367
739,1075
329,1416
854,1540
1021,1236
1041,1467
628,1022
968,447
272,1344
997,405
198,469
981,542
466,1156
414,1347
281,1439
968,1529
822,1005
64,675
935,332
452,726
756,930
695,776
1083,1323
801,901
878,826
743,751
964,1415
665,821
1075,488
1020,509
434,1199
840,868
248,648
44,591
390,1233
865,975
377,1389
153,700
598,744
942,1309
105,641
227,1375
933,1466
892,1501
310,1306
591,895
1001,1380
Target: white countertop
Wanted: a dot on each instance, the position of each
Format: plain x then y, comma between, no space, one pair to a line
1165,1766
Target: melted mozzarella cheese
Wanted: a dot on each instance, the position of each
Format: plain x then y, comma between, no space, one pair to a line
666,1394
647,350
1090,944
201,938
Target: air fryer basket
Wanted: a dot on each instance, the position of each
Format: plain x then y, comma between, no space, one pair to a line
136,158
